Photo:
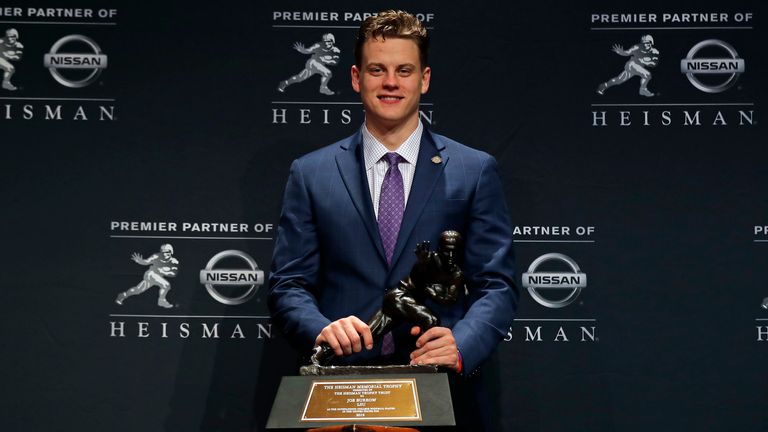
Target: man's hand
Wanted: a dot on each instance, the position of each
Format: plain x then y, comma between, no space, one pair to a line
344,336
436,346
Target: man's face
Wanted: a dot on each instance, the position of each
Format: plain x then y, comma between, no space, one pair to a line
11,38
647,45
390,81
328,43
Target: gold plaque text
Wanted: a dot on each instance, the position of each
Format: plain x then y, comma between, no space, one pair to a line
380,400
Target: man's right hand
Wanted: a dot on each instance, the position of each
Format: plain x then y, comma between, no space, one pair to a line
344,336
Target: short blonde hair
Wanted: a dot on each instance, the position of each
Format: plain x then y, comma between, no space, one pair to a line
393,24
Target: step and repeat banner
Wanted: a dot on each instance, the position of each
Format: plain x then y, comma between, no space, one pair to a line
145,148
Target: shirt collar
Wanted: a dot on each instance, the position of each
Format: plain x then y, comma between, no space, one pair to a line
373,149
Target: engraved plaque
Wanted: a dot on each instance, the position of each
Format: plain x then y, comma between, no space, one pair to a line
371,399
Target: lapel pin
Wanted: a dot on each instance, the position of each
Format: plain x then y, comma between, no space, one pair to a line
436,159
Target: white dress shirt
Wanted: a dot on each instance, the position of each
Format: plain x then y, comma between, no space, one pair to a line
376,168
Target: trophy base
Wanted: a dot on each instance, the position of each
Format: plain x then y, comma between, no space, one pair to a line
418,398
313,370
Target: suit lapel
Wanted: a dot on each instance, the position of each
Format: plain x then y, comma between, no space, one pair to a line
424,181
352,169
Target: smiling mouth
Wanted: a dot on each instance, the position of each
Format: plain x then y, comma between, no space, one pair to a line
390,99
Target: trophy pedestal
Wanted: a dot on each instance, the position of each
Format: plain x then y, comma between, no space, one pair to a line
363,428
313,370
379,398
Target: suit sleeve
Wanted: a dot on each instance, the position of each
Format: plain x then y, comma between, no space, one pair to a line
489,265
293,277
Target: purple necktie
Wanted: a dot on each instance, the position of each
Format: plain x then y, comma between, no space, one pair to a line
391,206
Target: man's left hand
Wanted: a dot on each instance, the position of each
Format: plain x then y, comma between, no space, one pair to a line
435,346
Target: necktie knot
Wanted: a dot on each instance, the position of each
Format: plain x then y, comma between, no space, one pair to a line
392,158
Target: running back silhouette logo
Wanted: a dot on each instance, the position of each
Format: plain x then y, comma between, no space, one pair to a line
322,55
162,265
10,50
642,57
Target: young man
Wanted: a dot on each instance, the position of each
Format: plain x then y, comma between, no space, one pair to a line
354,211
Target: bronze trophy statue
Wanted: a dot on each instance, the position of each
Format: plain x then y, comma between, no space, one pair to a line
435,275
383,394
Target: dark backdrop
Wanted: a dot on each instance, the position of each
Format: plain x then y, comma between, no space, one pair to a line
663,199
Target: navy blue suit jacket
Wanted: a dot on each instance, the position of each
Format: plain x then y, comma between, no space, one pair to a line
329,261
